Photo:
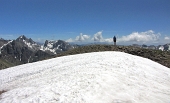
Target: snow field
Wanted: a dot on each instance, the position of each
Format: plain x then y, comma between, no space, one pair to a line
98,77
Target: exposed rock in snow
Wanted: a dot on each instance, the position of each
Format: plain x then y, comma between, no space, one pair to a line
99,77
165,47
56,46
19,51
4,45
2,42
24,50
161,48
29,43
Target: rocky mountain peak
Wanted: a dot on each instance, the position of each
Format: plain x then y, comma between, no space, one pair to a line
1,39
56,46
21,38
31,41
24,39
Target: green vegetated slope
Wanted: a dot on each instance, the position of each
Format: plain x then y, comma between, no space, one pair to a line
162,57
5,64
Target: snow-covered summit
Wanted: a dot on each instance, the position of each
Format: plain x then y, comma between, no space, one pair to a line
165,47
56,46
98,77
28,42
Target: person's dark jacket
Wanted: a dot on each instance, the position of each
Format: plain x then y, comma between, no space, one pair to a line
114,39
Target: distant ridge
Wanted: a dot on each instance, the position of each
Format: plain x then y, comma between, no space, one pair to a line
57,46
25,50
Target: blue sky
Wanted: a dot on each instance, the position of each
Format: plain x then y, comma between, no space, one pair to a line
132,21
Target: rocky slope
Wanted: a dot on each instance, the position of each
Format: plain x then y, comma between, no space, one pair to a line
162,57
55,47
3,41
24,50
165,47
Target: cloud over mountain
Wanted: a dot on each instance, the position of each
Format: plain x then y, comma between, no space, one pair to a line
98,36
82,37
147,36
135,37
167,38
70,40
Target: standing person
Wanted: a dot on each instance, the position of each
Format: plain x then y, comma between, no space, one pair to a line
114,40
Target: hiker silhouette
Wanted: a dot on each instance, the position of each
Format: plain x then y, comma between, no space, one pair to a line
114,40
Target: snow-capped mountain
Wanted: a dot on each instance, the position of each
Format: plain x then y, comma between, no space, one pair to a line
21,42
98,77
3,41
25,50
28,43
165,47
56,46
20,51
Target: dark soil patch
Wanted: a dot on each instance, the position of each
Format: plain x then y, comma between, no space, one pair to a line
1,92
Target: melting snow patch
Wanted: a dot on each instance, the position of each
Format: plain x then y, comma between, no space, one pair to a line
99,77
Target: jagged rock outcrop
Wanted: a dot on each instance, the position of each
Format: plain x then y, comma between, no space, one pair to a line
3,41
56,47
165,47
21,51
25,50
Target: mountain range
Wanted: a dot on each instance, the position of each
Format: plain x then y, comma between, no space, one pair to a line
90,76
25,50
165,47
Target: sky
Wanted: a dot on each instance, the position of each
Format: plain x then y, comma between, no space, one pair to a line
85,21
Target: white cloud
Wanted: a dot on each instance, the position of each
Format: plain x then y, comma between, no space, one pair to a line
70,40
135,37
82,37
98,36
148,36
167,38
40,40
108,40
